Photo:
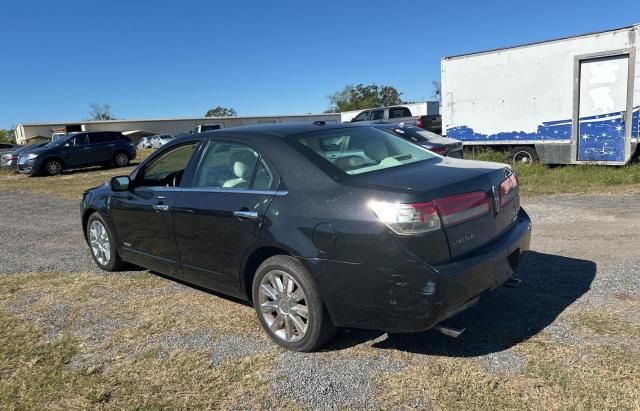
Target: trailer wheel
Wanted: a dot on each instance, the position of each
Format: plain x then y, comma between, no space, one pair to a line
523,155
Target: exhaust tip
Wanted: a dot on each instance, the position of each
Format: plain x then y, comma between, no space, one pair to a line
450,331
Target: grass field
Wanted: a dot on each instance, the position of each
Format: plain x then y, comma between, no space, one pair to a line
65,345
538,178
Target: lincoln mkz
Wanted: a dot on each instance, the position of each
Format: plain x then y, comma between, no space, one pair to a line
318,225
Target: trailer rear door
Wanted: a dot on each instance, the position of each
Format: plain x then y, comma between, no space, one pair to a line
602,108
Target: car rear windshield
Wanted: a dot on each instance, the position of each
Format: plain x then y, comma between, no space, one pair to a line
360,150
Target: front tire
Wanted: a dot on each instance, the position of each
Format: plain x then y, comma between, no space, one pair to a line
52,167
102,244
288,305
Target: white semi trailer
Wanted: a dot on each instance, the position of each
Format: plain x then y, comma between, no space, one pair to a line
567,101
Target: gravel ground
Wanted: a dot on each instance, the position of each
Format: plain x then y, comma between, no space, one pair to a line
585,256
41,234
312,380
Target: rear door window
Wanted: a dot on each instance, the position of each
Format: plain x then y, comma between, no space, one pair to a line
234,166
227,165
377,115
96,138
80,140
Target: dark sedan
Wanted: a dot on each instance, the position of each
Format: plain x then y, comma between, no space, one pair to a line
319,226
444,146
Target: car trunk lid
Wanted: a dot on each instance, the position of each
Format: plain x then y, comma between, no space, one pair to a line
452,179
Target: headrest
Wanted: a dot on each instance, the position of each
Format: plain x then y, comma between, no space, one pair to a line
376,150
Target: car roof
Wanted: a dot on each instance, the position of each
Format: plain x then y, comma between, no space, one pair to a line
286,129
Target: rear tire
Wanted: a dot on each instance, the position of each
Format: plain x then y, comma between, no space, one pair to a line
523,155
102,244
121,159
52,167
288,305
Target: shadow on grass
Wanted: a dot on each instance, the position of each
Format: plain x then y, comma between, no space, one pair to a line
503,318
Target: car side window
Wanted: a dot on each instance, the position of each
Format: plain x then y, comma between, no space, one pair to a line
264,179
364,116
233,166
96,138
167,170
377,115
80,140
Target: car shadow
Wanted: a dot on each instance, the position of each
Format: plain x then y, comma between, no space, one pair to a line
502,319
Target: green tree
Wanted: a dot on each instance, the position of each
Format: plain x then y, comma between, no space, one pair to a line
363,96
221,112
101,112
7,136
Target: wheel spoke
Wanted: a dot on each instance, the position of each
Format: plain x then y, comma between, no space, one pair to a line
286,284
297,295
279,285
277,323
288,328
300,310
269,306
299,324
268,291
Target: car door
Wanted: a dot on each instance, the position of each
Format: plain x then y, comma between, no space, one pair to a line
142,216
221,215
76,151
100,152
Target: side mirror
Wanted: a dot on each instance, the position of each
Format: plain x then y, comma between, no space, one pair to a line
120,183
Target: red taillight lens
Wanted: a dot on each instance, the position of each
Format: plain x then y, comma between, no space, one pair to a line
508,189
458,209
439,150
407,219
419,122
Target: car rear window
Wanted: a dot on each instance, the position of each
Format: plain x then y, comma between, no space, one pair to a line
360,150
399,112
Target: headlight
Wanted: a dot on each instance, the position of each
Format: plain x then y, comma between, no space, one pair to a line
31,156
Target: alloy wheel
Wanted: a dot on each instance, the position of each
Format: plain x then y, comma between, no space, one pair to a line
99,241
122,159
53,167
283,306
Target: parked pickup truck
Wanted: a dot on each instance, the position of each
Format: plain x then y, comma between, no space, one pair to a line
400,114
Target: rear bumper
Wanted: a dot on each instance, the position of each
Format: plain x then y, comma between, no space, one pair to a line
398,292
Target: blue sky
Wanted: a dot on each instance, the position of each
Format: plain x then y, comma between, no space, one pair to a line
179,58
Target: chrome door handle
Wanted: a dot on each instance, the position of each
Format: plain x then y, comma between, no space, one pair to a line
246,214
161,207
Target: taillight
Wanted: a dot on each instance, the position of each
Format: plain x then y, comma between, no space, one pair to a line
464,207
439,150
419,122
508,189
407,219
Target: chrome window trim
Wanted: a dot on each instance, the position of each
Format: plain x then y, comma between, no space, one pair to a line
215,190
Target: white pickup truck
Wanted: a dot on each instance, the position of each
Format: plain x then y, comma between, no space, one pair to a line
399,114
